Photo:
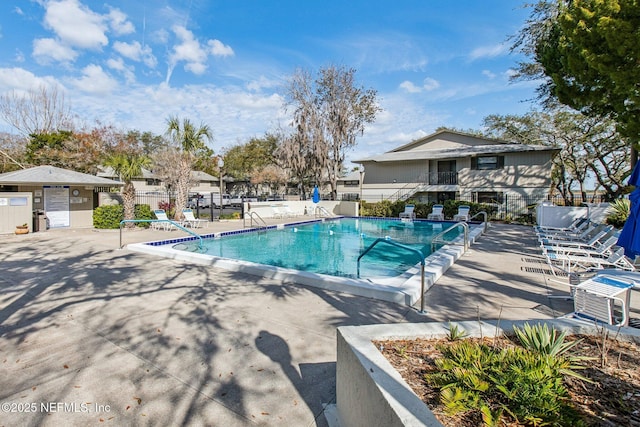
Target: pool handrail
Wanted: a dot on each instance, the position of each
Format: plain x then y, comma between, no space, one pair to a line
324,213
251,214
465,242
484,214
399,245
124,221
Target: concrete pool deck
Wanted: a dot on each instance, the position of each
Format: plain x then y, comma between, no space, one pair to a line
92,334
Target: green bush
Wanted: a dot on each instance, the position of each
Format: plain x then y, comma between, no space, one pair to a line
388,209
619,212
525,384
109,216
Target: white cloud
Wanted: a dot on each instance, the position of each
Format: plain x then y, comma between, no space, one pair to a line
119,65
410,87
21,80
428,84
217,48
136,52
75,24
488,74
47,49
192,52
489,51
119,23
18,11
95,81
261,83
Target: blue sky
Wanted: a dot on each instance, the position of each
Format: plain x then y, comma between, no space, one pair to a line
135,63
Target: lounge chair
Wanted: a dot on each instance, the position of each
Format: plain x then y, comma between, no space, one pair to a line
279,212
408,212
582,229
569,262
593,240
575,226
463,213
287,211
583,237
436,213
191,221
164,222
598,249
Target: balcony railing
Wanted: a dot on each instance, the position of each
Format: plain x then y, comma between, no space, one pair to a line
442,178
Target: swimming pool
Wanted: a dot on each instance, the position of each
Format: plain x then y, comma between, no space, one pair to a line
323,253
331,247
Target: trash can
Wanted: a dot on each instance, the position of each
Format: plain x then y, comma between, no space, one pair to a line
41,221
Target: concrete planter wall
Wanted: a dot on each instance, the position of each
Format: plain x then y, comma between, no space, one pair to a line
370,392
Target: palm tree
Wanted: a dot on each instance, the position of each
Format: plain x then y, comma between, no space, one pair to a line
128,166
188,139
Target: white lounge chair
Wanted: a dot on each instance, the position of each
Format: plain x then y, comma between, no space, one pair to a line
191,221
598,249
575,226
436,213
569,262
408,212
592,241
164,223
463,213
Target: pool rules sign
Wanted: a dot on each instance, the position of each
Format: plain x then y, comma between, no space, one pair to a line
56,204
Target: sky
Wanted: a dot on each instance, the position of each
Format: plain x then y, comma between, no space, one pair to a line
133,64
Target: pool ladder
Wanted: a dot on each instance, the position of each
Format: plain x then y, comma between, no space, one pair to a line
420,255
258,219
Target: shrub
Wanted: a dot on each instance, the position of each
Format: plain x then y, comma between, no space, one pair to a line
523,383
109,216
619,212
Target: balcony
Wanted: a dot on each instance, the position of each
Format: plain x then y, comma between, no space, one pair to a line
442,178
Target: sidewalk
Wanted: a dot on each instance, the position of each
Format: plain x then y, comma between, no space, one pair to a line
94,334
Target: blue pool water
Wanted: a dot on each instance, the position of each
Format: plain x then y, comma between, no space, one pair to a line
331,247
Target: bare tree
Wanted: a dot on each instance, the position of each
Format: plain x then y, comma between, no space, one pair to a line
12,149
41,110
328,116
345,109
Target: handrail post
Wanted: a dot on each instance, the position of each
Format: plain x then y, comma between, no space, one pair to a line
465,234
484,214
400,245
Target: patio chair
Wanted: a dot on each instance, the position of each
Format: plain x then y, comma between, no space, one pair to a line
567,262
598,249
605,232
575,226
583,236
164,223
463,213
191,221
408,212
288,211
436,213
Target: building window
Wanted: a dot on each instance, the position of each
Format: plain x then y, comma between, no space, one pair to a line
487,162
490,197
153,181
352,183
